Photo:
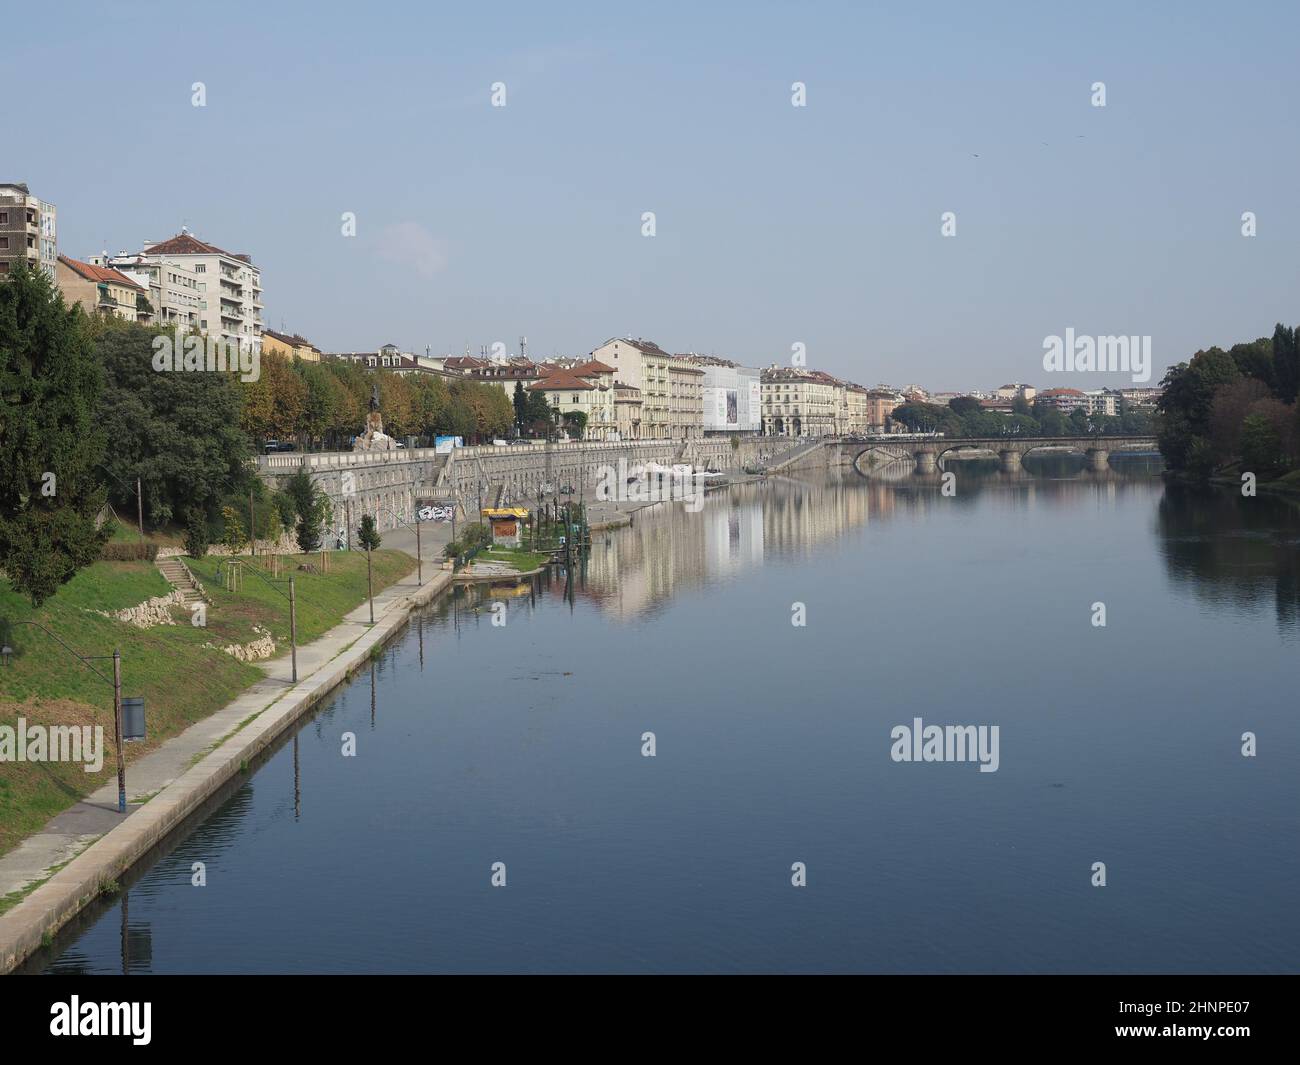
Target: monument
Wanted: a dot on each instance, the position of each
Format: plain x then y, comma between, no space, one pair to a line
373,438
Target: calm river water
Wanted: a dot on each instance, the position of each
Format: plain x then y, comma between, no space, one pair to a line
522,744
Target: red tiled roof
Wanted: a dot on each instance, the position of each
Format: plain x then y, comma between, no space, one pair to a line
187,244
592,366
98,273
560,381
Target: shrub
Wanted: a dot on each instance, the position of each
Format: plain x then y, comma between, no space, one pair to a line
453,549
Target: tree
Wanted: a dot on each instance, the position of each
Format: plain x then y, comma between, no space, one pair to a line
196,533
575,423
312,509
1261,445
51,440
520,404
177,431
1185,405
963,405
1020,405
232,534
368,534
1232,402
1286,363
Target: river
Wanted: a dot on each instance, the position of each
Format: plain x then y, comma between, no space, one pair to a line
522,743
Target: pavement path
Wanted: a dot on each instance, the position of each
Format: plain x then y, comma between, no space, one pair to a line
70,832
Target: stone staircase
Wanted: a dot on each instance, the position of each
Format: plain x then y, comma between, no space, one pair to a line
180,578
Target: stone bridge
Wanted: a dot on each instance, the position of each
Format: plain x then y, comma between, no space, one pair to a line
929,452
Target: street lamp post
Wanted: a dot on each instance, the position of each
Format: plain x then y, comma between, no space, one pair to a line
116,683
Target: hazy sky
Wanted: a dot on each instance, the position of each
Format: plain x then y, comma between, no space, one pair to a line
775,224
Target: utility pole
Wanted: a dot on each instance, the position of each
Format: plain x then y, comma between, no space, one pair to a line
139,508
117,729
293,629
252,528
370,588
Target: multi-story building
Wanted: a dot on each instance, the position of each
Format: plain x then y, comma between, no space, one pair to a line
590,394
730,395
671,390
101,290
881,403
507,374
627,411
1101,401
290,345
28,231
1063,399
1011,391
1139,398
229,285
856,415
391,357
798,402
173,288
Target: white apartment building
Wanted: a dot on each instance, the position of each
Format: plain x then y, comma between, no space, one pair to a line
173,286
229,285
798,402
731,395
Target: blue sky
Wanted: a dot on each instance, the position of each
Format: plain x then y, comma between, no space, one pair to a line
776,225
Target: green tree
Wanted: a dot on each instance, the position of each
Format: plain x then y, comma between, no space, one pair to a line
51,440
232,534
312,509
1261,446
178,432
368,534
197,536
520,404
1286,363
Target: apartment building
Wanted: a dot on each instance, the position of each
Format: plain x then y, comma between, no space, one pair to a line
590,394
173,288
855,416
672,391
798,402
1063,399
881,403
28,231
229,285
290,345
100,290
730,395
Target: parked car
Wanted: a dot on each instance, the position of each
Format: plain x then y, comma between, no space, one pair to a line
273,446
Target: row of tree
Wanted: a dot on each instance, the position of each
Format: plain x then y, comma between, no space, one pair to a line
1224,408
965,416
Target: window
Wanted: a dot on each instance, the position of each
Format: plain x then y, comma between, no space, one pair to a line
4,218
4,242
200,269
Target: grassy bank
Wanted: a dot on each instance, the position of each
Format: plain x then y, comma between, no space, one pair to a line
181,676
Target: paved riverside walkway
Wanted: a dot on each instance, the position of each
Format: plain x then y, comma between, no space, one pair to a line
65,839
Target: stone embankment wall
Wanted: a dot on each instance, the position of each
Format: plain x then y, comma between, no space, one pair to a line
387,484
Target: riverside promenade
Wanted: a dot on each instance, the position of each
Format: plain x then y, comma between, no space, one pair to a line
87,847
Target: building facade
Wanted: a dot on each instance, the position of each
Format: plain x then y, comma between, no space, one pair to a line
100,290
672,404
290,345
172,287
229,285
798,402
28,231
730,395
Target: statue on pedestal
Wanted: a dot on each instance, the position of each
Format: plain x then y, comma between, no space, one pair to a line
373,437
